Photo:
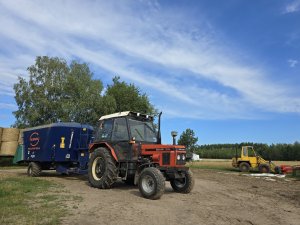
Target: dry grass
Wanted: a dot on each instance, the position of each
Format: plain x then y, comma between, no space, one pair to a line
218,165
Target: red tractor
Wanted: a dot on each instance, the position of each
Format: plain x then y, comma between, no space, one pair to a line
127,145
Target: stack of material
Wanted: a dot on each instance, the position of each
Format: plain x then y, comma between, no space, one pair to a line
20,140
1,130
9,141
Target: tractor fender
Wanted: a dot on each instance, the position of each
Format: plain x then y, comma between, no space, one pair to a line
239,162
93,146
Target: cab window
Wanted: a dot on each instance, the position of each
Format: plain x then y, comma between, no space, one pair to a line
120,131
105,130
245,151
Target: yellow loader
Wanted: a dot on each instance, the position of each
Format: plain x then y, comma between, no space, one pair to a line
250,160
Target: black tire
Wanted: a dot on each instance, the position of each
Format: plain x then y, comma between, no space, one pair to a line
264,168
244,167
102,171
184,185
34,169
277,169
151,183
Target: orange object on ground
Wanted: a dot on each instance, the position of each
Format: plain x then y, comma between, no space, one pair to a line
286,169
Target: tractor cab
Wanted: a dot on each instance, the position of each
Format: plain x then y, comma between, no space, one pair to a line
248,151
127,126
123,132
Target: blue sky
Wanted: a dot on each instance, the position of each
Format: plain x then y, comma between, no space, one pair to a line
229,70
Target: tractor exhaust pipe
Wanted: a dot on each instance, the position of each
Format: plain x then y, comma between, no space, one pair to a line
174,134
158,132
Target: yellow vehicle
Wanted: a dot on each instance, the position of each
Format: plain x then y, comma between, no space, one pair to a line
249,160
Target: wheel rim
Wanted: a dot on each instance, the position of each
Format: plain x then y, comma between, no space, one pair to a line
148,184
264,170
98,168
243,168
180,182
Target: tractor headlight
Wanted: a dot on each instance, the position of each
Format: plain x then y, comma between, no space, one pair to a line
180,159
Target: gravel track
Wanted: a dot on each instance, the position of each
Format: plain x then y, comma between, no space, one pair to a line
217,198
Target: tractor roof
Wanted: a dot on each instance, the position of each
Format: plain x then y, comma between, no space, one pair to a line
126,113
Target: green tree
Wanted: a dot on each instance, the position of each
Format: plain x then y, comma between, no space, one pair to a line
128,97
188,139
57,91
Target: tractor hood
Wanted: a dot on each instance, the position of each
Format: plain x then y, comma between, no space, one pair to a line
160,147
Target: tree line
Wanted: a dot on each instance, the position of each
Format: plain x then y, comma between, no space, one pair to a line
59,91
280,152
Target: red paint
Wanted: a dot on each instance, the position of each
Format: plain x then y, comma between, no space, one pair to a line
286,169
34,139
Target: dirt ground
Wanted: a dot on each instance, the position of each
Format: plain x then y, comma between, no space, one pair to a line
217,198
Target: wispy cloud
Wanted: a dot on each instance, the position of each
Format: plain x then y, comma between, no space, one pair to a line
292,7
292,62
8,106
182,62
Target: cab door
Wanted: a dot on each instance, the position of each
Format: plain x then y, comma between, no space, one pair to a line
120,140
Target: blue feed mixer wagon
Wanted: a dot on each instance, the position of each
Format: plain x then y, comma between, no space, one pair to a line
59,146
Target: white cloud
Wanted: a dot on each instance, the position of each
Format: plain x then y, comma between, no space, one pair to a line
163,51
8,106
292,62
292,7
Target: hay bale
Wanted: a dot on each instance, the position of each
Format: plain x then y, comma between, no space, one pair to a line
1,130
20,140
10,134
8,148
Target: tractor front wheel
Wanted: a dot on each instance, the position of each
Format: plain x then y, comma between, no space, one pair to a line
151,183
264,168
34,169
102,171
244,167
183,185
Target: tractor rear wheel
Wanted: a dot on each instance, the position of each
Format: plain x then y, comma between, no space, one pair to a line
264,168
183,185
102,171
34,169
244,167
151,183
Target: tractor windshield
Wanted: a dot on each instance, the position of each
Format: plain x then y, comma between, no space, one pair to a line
142,131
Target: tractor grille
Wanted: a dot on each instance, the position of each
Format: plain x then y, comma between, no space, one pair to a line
166,158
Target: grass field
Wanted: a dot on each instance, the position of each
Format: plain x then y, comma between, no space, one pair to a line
26,200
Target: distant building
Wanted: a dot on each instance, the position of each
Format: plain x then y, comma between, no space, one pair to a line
196,157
